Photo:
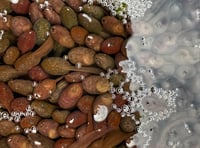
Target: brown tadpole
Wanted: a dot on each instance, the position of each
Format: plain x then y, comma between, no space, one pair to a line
86,140
20,86
111,139
93,70
69,97
52,16
112,25
62,36
7,73
6,96
96,84
59,66
85,105
30,59
90,126
45,88
82,55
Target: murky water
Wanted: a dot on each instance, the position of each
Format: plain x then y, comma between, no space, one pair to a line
167,39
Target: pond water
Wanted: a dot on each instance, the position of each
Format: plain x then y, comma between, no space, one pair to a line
167,41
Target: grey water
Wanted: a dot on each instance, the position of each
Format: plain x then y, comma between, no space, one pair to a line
167,39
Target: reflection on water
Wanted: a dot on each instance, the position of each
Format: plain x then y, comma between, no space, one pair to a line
167,39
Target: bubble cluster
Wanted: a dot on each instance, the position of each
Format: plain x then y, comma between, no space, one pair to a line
154,104
16,115
125,8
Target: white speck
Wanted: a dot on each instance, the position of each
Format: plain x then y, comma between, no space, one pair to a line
99,130
50,91
82,77
47,9
37,143
80,8
34,84
102,74
14,1
26,130
78,65
9,139
130,143
114,106
17,127
124,21
90,37
78,135
48,33
101,114
65,57
36,95
71,121
41,6
137,122
109,45
5,12
29,97
33,130
46,3
87,17
1,34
